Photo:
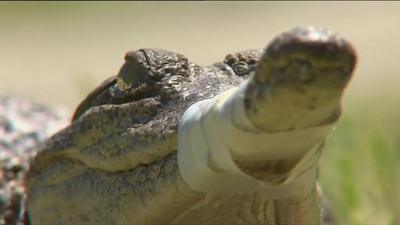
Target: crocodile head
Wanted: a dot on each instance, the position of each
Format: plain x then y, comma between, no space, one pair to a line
116,162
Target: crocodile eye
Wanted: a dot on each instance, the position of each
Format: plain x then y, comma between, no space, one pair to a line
241,68
131,75
122,85
117,89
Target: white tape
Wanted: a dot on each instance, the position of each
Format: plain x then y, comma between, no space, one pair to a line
215,132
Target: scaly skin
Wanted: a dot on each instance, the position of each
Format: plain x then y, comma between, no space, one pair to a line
116,162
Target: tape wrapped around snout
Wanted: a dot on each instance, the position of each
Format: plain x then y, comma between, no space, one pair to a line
213,133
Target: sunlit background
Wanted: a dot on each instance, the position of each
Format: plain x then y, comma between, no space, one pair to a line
56,52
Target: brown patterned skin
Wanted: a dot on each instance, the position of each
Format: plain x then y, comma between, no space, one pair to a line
116,162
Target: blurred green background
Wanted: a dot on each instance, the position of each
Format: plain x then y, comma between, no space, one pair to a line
56,52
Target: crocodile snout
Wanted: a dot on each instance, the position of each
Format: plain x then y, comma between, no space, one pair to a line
300,79
307,49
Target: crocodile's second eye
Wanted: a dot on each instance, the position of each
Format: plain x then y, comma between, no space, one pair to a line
241,68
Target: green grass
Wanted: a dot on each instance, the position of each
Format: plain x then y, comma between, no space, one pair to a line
360,166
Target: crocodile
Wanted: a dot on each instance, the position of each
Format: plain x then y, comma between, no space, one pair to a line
117,162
